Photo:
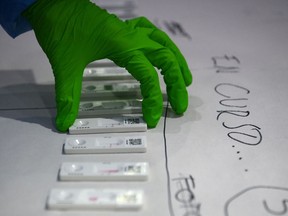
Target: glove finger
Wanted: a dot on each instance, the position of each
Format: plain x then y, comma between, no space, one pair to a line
163,39
165,60
68,82
152,104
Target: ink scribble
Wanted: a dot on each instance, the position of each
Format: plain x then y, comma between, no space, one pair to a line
185,197
173,27
258,201
226,64
248,134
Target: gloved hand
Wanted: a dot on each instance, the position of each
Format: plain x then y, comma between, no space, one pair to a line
74,33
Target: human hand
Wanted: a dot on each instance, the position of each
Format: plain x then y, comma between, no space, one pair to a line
74,33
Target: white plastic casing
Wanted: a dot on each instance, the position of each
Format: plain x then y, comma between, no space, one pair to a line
108,125
94,199
111,89
94,108
106,73
100,171
105,144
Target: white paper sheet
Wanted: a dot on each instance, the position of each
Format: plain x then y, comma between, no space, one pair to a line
227,156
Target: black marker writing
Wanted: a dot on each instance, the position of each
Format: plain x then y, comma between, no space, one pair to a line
226,64
227,89
173,27
238,113
234,104
185,196
235,96
274,212
248,134
264,199
176,29
230,102
245,138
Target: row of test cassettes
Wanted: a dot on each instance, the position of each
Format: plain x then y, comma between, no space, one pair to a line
110,103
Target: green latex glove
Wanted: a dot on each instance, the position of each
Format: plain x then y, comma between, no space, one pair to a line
74,33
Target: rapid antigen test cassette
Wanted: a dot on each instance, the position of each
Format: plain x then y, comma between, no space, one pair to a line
101,171
108,125
95,108
94,199
106,144
106,73
106,89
